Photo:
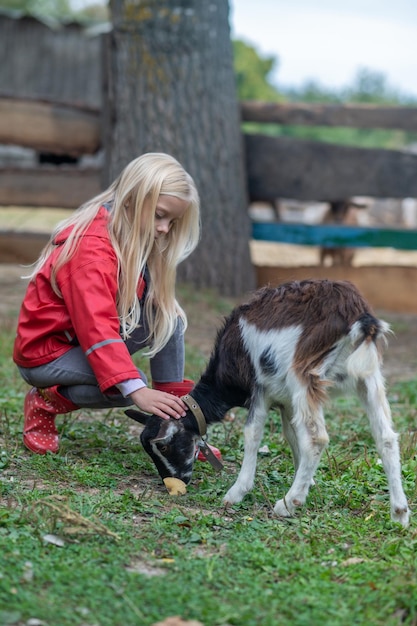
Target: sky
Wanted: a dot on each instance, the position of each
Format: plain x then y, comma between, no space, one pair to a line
328,41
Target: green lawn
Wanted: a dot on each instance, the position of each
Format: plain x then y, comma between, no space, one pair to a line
90,537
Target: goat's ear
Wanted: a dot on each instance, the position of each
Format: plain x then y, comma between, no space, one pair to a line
142,418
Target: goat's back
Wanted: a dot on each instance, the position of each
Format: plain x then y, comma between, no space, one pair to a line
299,326
309,327
335,304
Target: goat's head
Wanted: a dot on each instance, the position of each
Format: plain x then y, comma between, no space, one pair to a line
169,443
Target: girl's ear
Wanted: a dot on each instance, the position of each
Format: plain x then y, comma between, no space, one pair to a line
128,206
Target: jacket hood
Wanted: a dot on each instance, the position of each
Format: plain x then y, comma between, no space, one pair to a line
97,228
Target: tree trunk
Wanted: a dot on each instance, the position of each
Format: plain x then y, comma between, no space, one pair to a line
171,88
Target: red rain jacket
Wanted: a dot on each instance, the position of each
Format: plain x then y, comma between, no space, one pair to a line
49,326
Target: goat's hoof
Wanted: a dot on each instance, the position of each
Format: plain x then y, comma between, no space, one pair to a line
233,496
401,514
281,509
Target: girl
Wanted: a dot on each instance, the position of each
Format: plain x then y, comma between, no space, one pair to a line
104,288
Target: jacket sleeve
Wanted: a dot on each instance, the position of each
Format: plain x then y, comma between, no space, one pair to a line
89,288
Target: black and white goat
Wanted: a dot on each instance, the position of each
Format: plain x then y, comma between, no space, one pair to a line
287,347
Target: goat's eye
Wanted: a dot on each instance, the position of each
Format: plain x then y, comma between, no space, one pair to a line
163,448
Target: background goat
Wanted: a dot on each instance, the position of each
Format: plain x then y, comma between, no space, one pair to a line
345,212
287,347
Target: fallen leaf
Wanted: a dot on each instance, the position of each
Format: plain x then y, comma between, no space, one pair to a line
353,560
177,621
54,539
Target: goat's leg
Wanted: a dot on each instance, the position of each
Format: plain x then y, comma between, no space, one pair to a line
253,432
371,392
311,437
291,436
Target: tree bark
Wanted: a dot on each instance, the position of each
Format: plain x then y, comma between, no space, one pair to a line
170,87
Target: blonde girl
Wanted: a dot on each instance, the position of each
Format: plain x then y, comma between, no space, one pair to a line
102,289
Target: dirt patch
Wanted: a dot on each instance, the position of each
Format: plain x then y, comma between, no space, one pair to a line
400,361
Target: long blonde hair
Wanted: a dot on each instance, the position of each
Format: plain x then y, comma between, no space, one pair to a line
131,230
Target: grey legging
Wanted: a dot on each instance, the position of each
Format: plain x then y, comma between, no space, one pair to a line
77,381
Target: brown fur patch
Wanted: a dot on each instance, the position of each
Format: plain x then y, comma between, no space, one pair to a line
325,309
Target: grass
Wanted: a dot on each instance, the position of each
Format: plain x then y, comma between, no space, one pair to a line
90,537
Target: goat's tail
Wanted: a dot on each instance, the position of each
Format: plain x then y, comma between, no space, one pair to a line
366,334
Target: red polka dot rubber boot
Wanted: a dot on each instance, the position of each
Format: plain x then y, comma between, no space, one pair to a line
41,406
181,389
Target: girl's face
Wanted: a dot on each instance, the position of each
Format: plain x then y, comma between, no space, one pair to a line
169,209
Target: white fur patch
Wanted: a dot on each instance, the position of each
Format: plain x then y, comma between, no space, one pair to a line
171,429
280,345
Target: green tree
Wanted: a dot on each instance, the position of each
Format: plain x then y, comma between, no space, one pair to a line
368,87
58,10
372,87
55,9
253,74
311,91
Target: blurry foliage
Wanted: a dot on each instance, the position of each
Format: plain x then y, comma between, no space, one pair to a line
58,10
252,74
368,87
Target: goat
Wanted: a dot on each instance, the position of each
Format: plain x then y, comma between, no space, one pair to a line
340,212
286,348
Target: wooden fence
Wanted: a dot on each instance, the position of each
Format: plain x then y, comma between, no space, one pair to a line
276,167
50,102
305,170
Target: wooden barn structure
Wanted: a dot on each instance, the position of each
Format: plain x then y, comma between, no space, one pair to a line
49,61
50,105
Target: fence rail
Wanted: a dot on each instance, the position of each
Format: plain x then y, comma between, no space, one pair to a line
334,236
348,115
282,167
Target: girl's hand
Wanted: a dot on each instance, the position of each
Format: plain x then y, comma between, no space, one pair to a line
159,403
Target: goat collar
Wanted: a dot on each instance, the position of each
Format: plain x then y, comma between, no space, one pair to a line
197,412
202,428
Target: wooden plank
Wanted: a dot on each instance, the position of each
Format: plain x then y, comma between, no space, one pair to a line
282,167
49,127
64,187
350,115
386,287
21,247
333,235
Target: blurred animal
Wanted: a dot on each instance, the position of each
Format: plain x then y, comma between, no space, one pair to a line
344,212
